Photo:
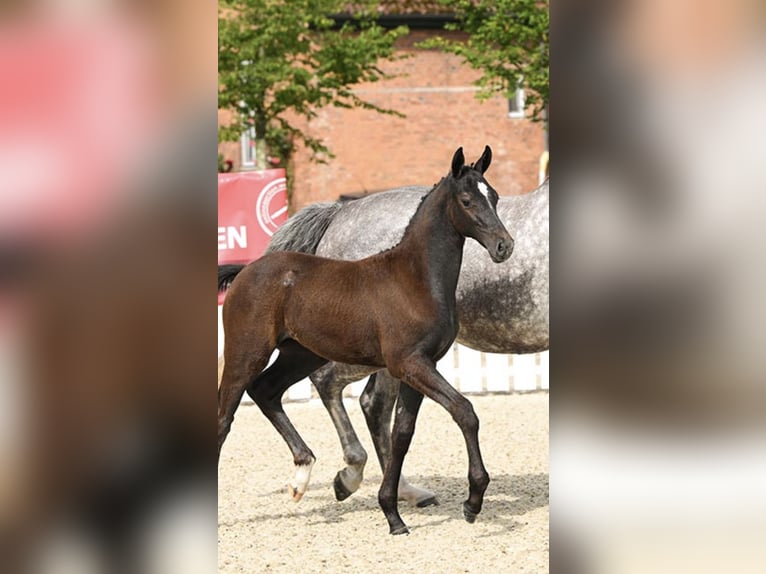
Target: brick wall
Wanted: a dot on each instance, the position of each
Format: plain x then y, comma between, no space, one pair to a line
375,152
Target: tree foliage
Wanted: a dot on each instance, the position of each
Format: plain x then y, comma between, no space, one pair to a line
508,42
279,61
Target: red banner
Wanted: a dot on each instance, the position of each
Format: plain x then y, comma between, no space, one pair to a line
75,120
251,206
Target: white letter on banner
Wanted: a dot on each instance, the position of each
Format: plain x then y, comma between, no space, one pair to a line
238,236
231,237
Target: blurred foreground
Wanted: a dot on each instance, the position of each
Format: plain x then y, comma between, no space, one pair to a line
658,457
107,189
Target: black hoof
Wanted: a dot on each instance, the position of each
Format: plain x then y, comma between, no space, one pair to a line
431,501
400,530
341,492
470,516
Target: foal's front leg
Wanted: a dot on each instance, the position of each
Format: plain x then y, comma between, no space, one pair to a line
420,373
407,408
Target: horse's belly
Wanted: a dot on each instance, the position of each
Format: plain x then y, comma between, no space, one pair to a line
336,336
505,316
342,350
492,336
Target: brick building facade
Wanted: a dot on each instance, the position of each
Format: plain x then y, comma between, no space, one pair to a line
375,152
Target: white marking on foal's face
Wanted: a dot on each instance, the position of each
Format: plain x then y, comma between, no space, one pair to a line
484,190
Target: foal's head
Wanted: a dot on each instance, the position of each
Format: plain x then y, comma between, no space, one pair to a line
473,205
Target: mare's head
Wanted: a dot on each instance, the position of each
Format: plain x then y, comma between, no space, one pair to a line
473,205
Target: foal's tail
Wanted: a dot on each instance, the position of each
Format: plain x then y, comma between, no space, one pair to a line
226,274
303,231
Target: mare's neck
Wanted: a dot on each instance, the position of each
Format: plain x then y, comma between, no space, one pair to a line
432,246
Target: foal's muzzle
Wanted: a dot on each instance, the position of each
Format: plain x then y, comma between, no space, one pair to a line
500,248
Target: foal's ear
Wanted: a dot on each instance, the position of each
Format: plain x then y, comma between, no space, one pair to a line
483,162
458,161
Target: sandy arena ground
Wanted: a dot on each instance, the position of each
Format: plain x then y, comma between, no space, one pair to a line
261,530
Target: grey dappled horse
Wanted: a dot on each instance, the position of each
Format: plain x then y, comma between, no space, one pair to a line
502,308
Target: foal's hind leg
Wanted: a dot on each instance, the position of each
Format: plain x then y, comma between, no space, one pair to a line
377,402
293,364
330,387
240,368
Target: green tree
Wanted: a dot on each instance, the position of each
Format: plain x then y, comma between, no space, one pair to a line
279,61
508,41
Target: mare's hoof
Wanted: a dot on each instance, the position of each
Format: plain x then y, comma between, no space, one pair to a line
430,501
294,494
341,492
470,516
400,530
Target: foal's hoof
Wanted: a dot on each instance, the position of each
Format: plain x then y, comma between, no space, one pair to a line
430,501
470,515
294,494
341,492
400,530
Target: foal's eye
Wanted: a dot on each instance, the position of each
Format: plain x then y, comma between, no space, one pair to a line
466,202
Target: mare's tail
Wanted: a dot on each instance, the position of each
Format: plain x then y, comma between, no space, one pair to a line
303,231
226,274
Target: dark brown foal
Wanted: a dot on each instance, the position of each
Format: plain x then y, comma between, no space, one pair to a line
395,309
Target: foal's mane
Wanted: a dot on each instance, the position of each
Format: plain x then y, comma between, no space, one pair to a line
417,210
463,170
420,204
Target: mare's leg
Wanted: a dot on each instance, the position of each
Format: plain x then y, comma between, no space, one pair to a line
377,402
293,364
242,365
404,427
330,388
420,373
